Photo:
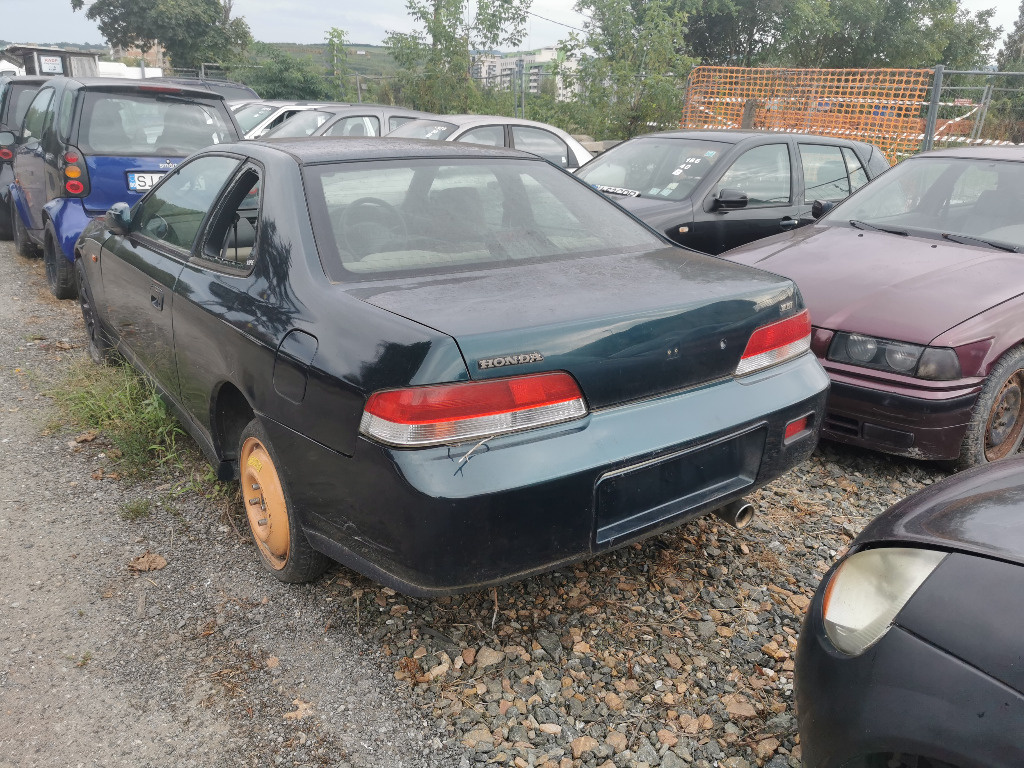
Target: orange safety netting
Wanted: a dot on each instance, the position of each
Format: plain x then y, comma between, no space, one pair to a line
885,107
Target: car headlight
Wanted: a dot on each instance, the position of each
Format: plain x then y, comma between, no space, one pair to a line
867,591
933,363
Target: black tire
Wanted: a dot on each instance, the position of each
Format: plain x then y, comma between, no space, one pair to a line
292,560
22,244
996,429
100,349
6,232
60,274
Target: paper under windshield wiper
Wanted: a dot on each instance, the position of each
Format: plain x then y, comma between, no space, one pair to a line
625,192
971,240
891,230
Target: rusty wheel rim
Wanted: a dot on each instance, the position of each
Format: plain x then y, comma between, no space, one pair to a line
264,503
1006,419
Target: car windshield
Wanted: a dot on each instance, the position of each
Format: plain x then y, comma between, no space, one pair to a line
972,200
658,167
300,124
130,124
437,130
251,115
444,215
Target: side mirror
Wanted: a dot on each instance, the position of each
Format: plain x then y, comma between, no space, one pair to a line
119,219
820,207
731,199
6,138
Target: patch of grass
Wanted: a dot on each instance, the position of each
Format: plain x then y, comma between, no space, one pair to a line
136,510
118,402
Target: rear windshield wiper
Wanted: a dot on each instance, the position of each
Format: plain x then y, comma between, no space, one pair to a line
971,240
891,230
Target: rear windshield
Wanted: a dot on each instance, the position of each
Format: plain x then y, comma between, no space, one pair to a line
19,98
424,129
131,124
248,117
298,125
413,216
657,167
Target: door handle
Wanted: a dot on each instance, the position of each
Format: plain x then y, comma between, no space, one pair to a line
156,298
788,223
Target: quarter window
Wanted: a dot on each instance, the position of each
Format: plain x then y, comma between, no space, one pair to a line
174,211
231,238
763,173
67,103
858,176
825,176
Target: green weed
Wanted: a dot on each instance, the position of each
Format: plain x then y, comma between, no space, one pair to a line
118,402
136,510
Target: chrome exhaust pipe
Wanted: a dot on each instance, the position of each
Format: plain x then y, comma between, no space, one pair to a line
737,513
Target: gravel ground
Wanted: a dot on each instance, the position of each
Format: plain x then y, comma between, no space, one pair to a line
673,652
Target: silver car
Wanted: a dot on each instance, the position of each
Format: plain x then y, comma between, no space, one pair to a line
540,139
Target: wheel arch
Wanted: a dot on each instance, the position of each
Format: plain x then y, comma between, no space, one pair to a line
231,412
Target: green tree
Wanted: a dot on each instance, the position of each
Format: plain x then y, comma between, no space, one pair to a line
1011,56
275,74
435,56
192,32
337,39
628,68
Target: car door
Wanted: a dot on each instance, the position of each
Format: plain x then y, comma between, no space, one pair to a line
139,270
544,143
30,160
824,174
764,173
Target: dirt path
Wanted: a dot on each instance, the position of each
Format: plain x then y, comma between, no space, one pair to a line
207,662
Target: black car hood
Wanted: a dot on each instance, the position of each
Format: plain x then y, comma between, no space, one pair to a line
980,511
657,212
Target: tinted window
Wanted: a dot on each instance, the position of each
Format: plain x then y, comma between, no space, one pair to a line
489,135
763,173
431,215
424,129
655,167
35,117
858,176
543,143
355,126
20,98
231,242
126,124
173,212
824,173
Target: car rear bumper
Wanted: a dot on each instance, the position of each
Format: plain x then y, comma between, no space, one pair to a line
903,695
921,428
450,519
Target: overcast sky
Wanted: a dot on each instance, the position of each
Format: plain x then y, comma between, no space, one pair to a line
281,21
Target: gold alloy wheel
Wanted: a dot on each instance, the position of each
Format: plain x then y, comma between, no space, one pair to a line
264,503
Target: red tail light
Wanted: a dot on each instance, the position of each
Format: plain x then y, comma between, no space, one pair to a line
74,187
453,413
773,344
76,175
5,153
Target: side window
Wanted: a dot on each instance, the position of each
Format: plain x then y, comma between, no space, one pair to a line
858,176
489,135
763,173
35,118
231,241
824,173
67,108
174,211
361,125
541,142
396,120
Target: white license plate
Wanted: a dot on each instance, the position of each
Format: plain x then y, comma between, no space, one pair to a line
140,182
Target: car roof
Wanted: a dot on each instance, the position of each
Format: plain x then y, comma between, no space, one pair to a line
318,149
25,79
131,84
464,120
979,153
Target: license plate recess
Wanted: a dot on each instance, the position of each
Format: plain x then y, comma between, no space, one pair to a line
636,497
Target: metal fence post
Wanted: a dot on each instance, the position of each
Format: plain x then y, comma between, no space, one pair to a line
933,110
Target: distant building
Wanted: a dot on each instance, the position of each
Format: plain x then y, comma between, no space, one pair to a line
500,70
42,60
154,57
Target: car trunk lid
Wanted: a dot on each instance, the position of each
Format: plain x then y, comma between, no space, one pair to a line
625,326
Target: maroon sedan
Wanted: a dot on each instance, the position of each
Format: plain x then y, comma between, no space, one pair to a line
916,290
